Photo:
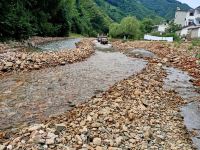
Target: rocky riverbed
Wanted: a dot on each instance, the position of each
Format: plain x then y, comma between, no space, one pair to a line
136,113
169,53
15,61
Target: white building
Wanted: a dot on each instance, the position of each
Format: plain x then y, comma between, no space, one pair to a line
190,22
161,28
187,18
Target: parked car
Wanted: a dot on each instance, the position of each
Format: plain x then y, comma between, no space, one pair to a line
104,40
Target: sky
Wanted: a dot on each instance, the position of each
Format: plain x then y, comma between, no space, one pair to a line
191,3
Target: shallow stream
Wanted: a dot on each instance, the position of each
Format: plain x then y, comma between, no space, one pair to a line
31,97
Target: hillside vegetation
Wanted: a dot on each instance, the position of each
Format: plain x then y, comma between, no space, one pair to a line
156,9
20,19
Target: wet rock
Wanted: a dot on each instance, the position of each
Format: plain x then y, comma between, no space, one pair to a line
142,53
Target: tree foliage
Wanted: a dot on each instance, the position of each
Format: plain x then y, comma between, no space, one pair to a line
173,27
129,28
20,19
147,25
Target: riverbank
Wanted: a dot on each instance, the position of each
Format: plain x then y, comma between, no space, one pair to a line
171,54
23,60
136,113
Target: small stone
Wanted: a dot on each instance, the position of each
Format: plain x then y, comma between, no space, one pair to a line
24,56
60,127
119,140
132,141
97,141
50,141
148,133
84,130
36,67
114,148
79,140
45,146
18,62
89,118
23,141
9,147
63,63
40,141
2,147
35,127
51,135
165,60
124,128
159,65
99,148
8,64
131,116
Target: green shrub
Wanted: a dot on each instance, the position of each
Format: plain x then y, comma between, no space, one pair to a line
196,42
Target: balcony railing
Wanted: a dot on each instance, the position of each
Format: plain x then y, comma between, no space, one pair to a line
197,16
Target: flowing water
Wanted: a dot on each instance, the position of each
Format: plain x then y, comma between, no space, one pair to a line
31,97
57,45
180,82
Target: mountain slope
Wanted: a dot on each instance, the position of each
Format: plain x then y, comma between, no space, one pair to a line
118,9
164,8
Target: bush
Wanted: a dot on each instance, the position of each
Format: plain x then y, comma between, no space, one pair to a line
196,42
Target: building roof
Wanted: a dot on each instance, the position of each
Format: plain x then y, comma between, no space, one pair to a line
191,10
191,27
198,8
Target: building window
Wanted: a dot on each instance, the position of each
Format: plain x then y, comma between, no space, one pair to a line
191,14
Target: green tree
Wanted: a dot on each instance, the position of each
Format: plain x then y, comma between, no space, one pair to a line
146,25
114,30
130,27
173,27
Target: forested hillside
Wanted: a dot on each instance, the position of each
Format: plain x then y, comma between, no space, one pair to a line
20,19
164,8
117,9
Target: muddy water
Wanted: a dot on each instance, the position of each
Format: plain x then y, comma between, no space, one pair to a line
180,82
57,45
31,97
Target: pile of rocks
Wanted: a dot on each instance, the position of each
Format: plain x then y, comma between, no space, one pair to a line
135,113
178,56
18,61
